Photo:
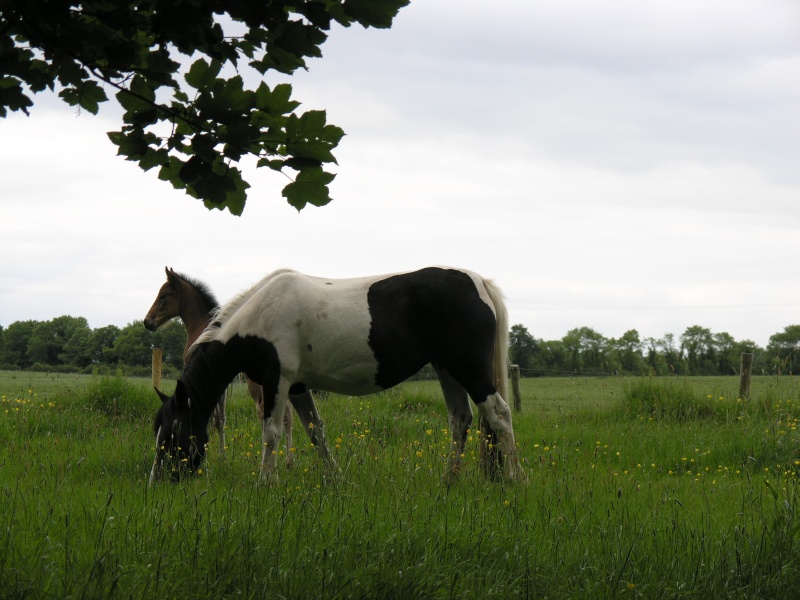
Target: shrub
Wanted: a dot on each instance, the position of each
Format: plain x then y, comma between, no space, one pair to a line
672,399
119,398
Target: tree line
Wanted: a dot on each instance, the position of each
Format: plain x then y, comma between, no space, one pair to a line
697,351
68,344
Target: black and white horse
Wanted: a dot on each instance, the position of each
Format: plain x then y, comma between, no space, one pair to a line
292,333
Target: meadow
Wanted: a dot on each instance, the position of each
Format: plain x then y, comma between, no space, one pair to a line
638,488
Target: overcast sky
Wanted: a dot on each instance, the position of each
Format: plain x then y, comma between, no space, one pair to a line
611,164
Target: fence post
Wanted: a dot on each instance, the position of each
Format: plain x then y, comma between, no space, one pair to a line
515,388
745,370
157,368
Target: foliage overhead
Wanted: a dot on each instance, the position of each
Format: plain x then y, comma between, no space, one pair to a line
175,68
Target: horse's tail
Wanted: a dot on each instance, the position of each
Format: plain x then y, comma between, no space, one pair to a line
500,362
489,453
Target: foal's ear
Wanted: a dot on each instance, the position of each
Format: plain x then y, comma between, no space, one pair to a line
161,395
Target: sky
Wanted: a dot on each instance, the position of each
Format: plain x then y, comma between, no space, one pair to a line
612,164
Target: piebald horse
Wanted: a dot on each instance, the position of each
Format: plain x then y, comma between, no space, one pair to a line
193,302
291,333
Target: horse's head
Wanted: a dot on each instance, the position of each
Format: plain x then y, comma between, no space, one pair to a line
167,302
180,444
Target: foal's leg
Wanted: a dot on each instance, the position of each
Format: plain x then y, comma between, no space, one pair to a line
460,413
219,419
312,424
288,419
257,394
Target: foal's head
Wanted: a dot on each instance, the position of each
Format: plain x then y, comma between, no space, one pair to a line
167,303
180,443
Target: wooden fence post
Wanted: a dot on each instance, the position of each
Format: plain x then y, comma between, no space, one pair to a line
515,388
745,370
157,368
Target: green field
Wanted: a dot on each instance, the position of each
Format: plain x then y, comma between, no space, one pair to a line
651,488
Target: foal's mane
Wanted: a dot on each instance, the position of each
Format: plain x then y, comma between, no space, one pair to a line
207,298
223,313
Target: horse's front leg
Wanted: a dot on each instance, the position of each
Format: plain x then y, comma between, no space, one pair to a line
257,393
271,429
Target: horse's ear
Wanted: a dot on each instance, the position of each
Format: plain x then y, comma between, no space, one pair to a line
181,395
161,395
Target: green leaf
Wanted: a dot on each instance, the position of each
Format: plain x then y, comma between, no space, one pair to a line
12,96
132,144
374,13
202,74
276,102
91,95
195,168
310,187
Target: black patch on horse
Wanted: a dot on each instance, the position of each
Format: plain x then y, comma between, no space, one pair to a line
437,316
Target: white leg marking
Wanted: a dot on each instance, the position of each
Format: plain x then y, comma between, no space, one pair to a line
154,472
498,414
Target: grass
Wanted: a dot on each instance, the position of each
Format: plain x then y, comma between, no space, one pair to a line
651,488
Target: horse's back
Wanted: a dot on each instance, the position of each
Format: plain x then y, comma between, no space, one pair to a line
358,335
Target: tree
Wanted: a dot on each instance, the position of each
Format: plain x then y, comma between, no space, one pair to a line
727,357
522,347
663,357
586,349
77,350
171,338
133,345
15,344
49,338
698,344
189,121
103,344
627,352
784,350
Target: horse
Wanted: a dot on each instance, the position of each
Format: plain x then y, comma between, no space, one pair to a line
292,333
195,304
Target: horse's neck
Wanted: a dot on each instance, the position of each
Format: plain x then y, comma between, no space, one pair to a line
195,316
207,376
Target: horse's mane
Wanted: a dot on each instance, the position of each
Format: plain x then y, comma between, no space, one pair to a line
223,313
209,301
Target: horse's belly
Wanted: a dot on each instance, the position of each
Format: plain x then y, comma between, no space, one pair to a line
347,381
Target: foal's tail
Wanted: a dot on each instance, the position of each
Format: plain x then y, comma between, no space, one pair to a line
500,362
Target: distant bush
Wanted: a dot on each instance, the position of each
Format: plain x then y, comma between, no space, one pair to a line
119,398
671,399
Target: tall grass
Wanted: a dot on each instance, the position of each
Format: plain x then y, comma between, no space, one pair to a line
632,493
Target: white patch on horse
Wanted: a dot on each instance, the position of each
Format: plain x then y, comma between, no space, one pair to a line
335,357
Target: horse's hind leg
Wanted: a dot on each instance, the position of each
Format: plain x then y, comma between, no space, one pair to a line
460,415
496,412
312,424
